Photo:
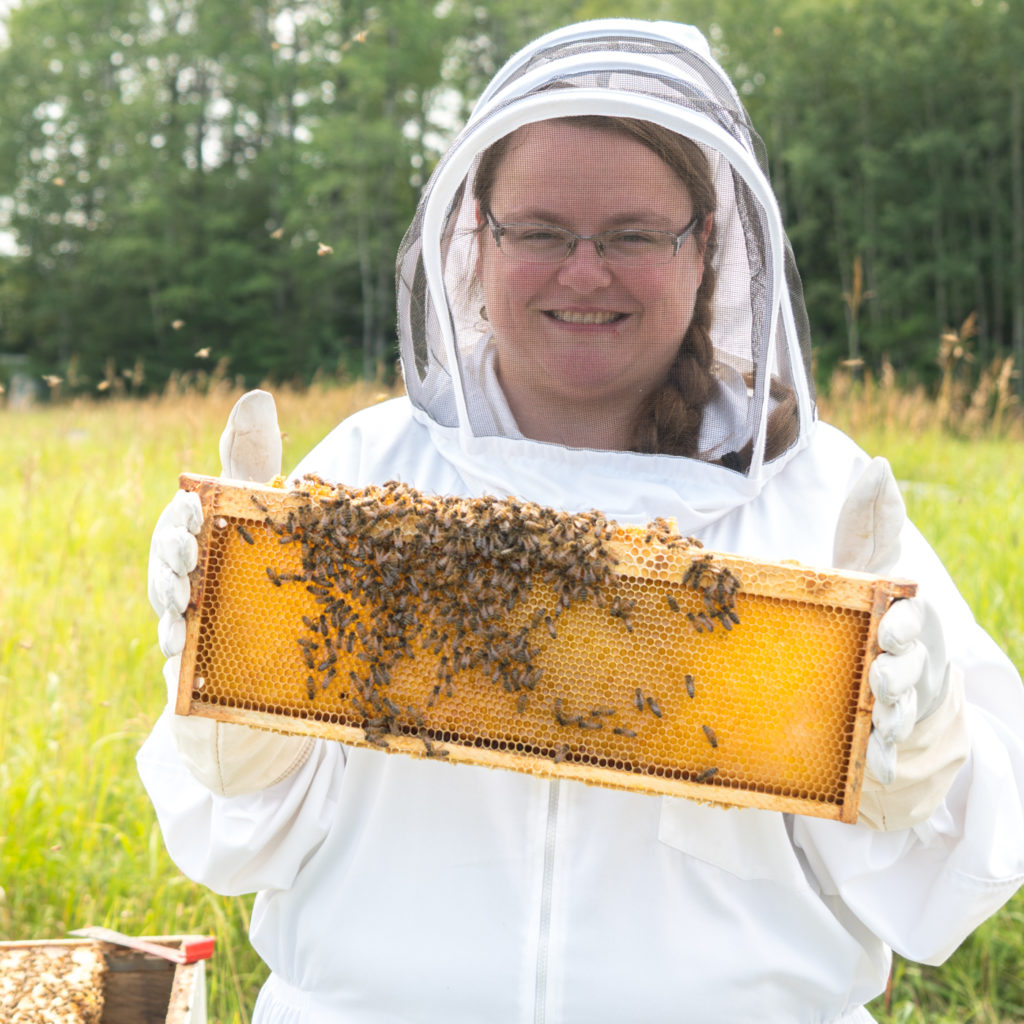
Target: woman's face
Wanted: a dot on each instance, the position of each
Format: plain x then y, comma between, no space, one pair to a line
583,338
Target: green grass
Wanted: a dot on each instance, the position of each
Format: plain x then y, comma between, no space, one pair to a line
80,488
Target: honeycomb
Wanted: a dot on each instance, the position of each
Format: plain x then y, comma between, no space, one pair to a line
506,634
52,982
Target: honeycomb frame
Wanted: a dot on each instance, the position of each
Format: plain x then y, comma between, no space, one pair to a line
679,671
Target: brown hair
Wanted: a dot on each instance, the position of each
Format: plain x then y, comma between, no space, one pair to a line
669,419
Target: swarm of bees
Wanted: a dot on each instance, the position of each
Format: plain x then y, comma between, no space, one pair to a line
394,571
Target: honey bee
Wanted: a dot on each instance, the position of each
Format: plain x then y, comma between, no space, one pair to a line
710,733
672,602
620,731
561,753
653,705
690,688
706,775
244,534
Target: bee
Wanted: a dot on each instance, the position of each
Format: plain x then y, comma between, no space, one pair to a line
431,750
672,602
521,702
561,753
706,775
710,733
653,705
273,576
244,534
560,717
589,723
638,699
690,688
620,731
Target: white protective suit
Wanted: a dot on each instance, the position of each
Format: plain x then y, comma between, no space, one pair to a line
394,890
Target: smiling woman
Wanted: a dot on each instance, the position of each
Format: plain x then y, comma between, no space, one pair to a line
598,309
585,343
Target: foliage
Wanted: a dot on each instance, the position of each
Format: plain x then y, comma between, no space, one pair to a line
236,176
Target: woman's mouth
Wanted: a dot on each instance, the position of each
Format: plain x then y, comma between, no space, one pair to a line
571,316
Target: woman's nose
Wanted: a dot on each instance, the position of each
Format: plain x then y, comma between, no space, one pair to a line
583,269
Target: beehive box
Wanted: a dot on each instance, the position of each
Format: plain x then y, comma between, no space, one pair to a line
505,634
135,988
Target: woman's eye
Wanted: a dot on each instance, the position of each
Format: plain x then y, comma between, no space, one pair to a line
635,239
537,235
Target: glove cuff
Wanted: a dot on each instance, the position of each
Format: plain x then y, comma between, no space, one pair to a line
233,760
927,764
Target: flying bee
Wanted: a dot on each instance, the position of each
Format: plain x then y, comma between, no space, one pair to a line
244,534
710,733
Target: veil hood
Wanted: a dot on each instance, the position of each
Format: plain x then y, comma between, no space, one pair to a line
663,73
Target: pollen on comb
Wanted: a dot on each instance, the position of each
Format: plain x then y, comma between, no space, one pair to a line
498,632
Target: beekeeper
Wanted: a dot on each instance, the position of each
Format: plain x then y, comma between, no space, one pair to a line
598,308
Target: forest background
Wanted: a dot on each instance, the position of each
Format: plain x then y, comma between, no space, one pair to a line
187,185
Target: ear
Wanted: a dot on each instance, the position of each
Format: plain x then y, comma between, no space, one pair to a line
481,230
705,231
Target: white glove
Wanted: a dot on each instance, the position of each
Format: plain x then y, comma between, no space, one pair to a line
919,736
228,759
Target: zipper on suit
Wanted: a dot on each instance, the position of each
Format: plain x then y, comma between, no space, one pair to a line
547,885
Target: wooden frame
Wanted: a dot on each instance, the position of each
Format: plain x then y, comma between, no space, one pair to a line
786,605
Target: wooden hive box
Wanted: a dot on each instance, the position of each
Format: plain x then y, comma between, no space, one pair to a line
504,634
138,988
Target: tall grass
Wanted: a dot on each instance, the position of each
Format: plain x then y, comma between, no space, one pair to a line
80,488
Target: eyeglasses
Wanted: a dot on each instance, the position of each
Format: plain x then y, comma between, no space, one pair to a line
635,248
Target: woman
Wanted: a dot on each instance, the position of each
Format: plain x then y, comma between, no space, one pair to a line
598,309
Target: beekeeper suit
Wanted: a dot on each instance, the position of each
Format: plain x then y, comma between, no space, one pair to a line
393,889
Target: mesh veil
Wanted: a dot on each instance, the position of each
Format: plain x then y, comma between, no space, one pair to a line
759,400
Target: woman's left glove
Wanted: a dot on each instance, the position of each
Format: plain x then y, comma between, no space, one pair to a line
919,735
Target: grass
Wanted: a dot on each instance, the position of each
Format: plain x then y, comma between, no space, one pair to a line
80,685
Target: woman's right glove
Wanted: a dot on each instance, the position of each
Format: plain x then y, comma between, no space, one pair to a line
228,759
919,735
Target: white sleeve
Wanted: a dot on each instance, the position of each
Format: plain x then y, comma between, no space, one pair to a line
923,890
240,844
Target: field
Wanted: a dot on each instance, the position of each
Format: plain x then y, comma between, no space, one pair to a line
80,685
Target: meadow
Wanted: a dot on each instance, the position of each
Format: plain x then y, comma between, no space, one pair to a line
81,484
